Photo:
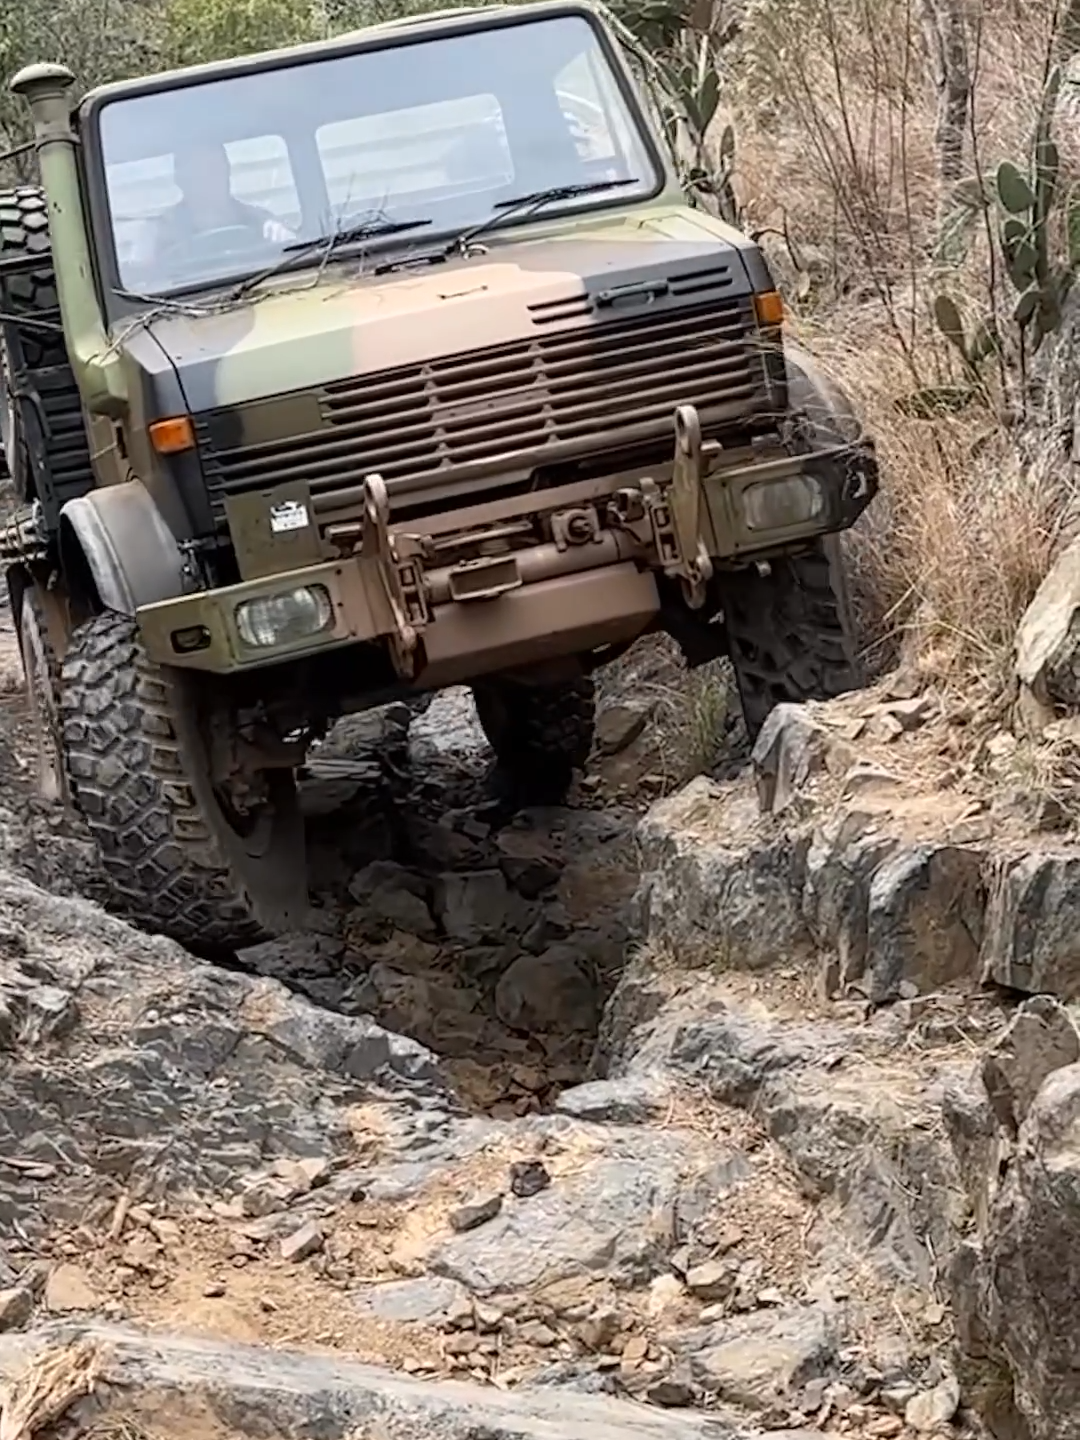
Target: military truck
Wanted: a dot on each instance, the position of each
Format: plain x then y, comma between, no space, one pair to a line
455,384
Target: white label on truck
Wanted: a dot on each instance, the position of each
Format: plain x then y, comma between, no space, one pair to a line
288,515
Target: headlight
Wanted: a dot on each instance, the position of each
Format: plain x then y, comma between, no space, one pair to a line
780,504
281,619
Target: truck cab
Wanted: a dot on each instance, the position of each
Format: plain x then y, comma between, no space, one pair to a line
364,368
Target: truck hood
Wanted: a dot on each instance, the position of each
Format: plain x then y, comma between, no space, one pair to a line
300,335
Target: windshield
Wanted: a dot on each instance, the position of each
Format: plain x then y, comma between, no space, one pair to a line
212,181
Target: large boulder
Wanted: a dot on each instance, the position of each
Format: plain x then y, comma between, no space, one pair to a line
202,1386
1048,640
824,857
1032,1261
1013,1126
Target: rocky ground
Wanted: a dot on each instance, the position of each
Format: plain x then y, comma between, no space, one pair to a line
707,1110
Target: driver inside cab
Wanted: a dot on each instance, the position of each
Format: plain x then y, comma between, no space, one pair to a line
204,177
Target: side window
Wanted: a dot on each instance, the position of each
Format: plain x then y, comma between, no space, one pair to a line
427,152
646,89
262,175
138,190
597,116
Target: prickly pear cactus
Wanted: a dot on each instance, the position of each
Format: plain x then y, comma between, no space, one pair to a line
678,57
1038,235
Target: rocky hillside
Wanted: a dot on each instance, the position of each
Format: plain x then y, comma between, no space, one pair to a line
738,1108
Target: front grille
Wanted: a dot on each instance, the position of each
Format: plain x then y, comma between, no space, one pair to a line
511,408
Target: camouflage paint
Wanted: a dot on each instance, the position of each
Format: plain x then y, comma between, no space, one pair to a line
255,372
293,336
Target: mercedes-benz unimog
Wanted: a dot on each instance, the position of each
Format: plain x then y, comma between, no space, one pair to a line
369,367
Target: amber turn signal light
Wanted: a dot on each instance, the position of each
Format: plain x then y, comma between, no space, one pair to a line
769,309
170,437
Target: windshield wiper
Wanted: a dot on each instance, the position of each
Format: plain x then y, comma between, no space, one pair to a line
323,246
533,200
367,230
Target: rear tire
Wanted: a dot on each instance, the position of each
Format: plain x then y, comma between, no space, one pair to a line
790,633
24,230
540,734
137,770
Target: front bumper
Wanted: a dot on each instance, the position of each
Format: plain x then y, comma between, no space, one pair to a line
586,587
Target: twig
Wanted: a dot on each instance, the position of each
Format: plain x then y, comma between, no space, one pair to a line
51,1382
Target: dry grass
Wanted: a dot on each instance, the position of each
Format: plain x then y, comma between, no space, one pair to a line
950,555
836,113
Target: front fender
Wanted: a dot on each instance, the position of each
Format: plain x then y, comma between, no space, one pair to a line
130,552
811,392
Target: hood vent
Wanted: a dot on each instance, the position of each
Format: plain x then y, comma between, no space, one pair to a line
710,280
706,282
567,307
441,425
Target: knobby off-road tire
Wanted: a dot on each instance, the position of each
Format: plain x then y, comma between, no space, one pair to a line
790,632
540,734
137,773
24,230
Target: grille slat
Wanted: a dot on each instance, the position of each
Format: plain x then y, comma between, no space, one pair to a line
518,405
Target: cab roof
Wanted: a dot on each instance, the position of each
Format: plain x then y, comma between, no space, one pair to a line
411,28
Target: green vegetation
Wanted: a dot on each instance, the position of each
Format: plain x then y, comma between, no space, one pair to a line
678,50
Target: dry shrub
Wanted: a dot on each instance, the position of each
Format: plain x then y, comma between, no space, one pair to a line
951,553
841,163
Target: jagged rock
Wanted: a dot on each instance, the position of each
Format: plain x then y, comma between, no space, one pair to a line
423,1299
389,896
911,713
302,1242
440,844
1048,638
715,883
528,1178
894,912
552,991
878,1147
216,1061
1031,938
844,857
264,1391
619,725
369,735
792,747
16,1306
1023,1277
634,1100
69,1287
929,1411
597,1220
924,919
480,906
1040,1038
976,1140
426,1006
475,1212
761,1360
527,862
290,957
448,736
714,1280
328,784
